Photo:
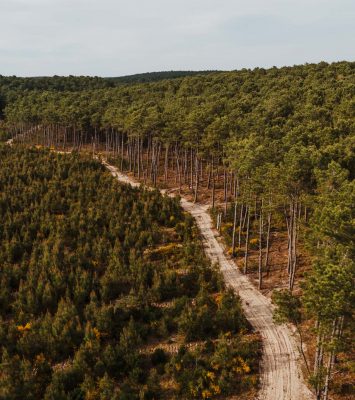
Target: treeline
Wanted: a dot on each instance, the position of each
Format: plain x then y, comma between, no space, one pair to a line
83,83
51,83
12,86
155,76
277,143
94,273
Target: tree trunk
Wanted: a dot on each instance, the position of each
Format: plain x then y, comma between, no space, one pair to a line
240,225
185,166
247,242
191,170
289,241
225,191
166,163
318,361
139,157
122,150
330,360
293,248
234,226
213,185
301,348
209,177
197,178
178,167
261,228
267,268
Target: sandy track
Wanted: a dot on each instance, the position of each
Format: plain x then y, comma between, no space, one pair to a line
281,377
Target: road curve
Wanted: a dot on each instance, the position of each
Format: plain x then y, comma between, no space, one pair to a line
281,377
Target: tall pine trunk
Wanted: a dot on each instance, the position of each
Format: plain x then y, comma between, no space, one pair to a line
247,242
197,179
269,219
261,228
234,226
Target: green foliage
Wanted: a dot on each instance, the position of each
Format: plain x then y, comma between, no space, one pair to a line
287,134
4,136
209,315
328,290
288,307
225,366
81,275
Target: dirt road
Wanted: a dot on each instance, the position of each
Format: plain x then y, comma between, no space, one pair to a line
281,378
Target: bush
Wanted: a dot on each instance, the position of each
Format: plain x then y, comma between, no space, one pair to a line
158,357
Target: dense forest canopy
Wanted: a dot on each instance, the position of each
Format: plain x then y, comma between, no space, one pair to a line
92,272
280,145
308,106
12,86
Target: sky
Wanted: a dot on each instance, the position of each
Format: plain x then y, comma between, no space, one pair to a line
122,37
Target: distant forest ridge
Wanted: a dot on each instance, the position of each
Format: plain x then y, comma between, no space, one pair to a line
78,83
157,76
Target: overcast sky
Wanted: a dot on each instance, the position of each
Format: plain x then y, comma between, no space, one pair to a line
120,37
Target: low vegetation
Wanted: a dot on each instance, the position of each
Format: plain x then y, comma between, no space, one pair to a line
85,265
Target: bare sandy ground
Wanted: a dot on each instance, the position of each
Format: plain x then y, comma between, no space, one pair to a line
281,376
